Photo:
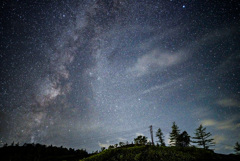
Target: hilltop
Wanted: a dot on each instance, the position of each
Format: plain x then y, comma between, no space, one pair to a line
154,153
130,152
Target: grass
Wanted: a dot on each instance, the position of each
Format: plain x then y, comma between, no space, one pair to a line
153,153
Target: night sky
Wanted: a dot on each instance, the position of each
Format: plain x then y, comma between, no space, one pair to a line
86,74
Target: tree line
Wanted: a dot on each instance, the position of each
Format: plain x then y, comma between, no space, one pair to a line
38,152
178,139
42,152
201,138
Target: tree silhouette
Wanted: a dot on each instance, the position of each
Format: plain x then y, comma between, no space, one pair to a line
160,136
121,144
237,148
140,140
183,139
103,148
174,135
38,152
111,147
202,138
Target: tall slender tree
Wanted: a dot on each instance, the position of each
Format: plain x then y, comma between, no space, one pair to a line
202,137
160,136
174,134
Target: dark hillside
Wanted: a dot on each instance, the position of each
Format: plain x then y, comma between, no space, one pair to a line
152,153
38,152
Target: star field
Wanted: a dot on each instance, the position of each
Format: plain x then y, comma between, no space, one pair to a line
86,74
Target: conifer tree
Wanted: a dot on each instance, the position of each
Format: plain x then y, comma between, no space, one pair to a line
174,135
237,148
183,139
202,138
140,140
160,136
121,144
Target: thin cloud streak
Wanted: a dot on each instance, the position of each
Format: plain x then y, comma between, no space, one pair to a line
155,61
228,102
163,86
231,124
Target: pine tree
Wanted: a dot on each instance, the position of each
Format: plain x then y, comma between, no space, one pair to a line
183,139
111,147
202,138
121,144
160,136
174,135
237,148
140,140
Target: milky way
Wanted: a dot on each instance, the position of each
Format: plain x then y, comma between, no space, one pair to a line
87,74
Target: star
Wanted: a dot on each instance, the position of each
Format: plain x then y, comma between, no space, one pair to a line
85,69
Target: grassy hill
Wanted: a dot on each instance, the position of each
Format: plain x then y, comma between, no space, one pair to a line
153,153
131,152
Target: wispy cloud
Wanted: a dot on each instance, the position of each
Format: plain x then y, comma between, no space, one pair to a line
219,138
228,102
228,147
122,139
163,86
139,134
209,122
231,124
106,145
155,60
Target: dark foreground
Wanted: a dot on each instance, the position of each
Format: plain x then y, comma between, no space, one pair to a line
37,152
150,153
